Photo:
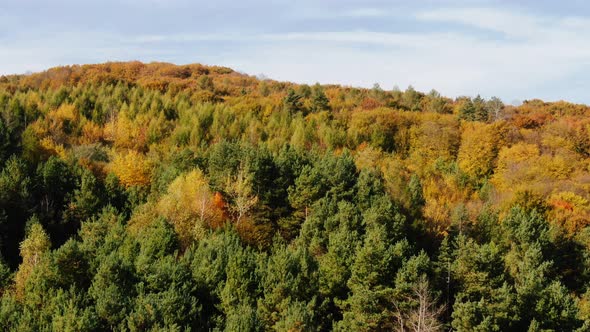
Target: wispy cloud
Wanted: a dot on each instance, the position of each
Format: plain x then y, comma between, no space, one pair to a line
510,23
457,50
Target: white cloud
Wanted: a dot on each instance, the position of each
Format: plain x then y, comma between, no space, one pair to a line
518,25
525,56
535,57
510,23
453,63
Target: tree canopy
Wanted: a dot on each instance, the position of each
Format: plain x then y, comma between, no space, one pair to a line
160,197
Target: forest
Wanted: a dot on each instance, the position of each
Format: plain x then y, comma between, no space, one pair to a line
161,197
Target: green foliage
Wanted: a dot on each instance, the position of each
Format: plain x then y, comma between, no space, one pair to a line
5,275
411,99
416,194
112,290
85,201
292,102
308,208
319,100
15,196
288,279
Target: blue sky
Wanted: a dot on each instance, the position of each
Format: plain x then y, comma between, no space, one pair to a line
514,50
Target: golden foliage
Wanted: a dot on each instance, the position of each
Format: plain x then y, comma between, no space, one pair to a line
523,167
368,157
190,206
514,166
128,133
395,176
91,133
436,137
569,210
51,148
155,75
442,194
132,168
31,250
540,148
480,143
58,128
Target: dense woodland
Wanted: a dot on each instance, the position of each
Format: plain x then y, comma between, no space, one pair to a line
155,197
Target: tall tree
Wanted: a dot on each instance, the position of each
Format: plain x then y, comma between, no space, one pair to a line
320,101
32,249
292,102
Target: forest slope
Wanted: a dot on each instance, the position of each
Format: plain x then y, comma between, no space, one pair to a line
153,196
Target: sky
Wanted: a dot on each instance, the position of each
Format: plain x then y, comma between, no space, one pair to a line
515,50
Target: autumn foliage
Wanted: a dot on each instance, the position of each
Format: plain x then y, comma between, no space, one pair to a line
196,197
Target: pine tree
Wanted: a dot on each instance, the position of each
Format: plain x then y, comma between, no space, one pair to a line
320,101
369,305
467,110
292,102
85,202
481,109
416,195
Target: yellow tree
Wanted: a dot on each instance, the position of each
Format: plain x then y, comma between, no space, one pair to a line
514,166
239,189
61,123
92,133
31,250
480,143
132,168
127,132
435,138
190,206
570,211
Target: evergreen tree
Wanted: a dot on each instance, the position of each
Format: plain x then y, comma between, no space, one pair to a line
411,99
15,204
113,291
481,109
467,110
292,102
320,101
288,278
32,250
372,288
85,202
416,195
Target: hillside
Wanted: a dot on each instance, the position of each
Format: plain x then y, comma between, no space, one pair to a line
161,197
